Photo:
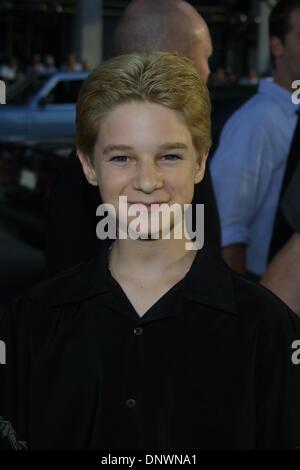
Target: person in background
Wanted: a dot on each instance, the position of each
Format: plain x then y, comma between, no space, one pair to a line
232,77
251,78
220,77
283,274
9,70
146,25
50,66
36,65
72,65
249,163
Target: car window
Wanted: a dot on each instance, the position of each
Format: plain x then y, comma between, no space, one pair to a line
64,92
21,92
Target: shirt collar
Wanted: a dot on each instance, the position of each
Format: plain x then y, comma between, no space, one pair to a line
84,280
268,87
208,282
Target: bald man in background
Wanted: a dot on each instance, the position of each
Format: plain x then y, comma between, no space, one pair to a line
146,25
167,25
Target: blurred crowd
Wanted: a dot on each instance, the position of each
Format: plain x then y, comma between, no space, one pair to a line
220,77
12,70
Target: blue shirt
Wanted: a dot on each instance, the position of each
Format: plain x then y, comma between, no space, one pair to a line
248,168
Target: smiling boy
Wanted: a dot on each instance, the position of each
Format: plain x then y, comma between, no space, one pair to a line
149,345
144,151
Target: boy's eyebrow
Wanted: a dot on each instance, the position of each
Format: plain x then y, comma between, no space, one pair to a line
173,145
167,146
112,148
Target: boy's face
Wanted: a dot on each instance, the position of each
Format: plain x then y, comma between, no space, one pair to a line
145,152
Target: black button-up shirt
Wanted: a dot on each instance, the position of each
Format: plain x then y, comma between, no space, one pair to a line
211,365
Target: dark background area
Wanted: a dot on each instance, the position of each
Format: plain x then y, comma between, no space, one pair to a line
37,26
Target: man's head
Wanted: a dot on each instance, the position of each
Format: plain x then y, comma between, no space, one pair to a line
165,25
284,29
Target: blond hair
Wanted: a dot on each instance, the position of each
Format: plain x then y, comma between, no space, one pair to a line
160,77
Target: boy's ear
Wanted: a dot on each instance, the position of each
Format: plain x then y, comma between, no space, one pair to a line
201,165
88,169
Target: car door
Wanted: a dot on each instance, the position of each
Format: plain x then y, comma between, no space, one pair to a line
13,123
52,116
14,116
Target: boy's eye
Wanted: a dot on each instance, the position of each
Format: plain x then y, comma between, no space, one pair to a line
172,157
119,158
125,158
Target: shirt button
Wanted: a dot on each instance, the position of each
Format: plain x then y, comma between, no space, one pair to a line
130,403
138,331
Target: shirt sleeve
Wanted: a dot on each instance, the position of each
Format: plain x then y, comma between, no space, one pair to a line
278,381
14,375
241,170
